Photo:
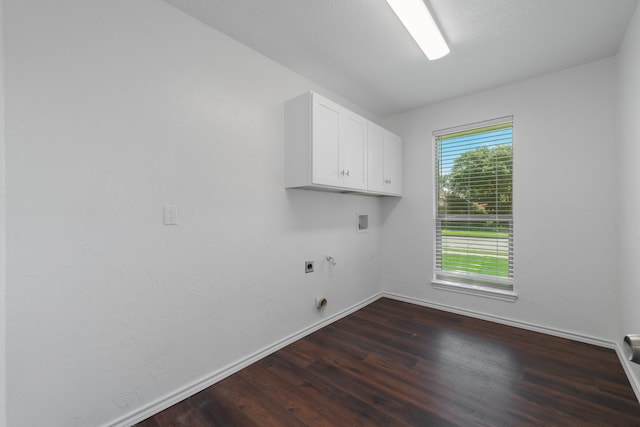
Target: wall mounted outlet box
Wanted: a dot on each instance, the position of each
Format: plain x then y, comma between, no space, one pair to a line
362,224
308,266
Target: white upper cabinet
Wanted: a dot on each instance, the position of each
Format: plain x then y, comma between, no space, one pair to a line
384,162
353,151
325,142
326,147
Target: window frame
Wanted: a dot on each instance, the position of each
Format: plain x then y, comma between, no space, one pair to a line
490,286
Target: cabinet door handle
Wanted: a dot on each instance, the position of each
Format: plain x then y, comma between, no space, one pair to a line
347,173
387,181
342,172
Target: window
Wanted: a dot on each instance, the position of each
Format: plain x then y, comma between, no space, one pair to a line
473,208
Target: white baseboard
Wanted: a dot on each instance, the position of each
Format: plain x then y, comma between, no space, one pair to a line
208,380
626,365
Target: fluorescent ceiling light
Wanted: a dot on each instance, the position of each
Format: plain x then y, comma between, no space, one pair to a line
416,18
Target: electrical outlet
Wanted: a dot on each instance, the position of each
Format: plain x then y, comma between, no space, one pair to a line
308,266
170,215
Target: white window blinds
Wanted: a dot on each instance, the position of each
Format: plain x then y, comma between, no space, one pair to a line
473,211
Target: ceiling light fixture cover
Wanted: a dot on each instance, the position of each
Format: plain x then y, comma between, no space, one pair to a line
415,16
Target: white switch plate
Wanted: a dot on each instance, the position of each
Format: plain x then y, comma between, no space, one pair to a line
170,215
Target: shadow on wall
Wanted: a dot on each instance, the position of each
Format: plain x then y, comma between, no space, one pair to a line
388,206
320,210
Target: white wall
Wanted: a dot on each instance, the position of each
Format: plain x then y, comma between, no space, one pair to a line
3,269
113,109
629,206
564,190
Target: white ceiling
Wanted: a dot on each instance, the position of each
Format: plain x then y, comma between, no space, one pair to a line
360,50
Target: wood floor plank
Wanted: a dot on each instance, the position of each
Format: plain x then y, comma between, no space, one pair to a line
219,409
315,391
393,363
293,398
382,398
181,415
259,406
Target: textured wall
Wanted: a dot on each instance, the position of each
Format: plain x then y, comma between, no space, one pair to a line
629,174
3,268
115,108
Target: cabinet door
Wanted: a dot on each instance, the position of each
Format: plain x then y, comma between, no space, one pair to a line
392,163
375,158
325,150
384,161
353,149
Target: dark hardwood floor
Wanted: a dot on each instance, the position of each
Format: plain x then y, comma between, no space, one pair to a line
395,364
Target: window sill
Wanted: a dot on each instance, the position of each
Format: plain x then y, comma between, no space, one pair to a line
481,291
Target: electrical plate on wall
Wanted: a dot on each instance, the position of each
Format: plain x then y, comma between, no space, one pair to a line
362,224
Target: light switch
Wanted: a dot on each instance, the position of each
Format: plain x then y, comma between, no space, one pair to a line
170,215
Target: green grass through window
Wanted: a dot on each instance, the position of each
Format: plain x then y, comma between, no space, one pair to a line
475,264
